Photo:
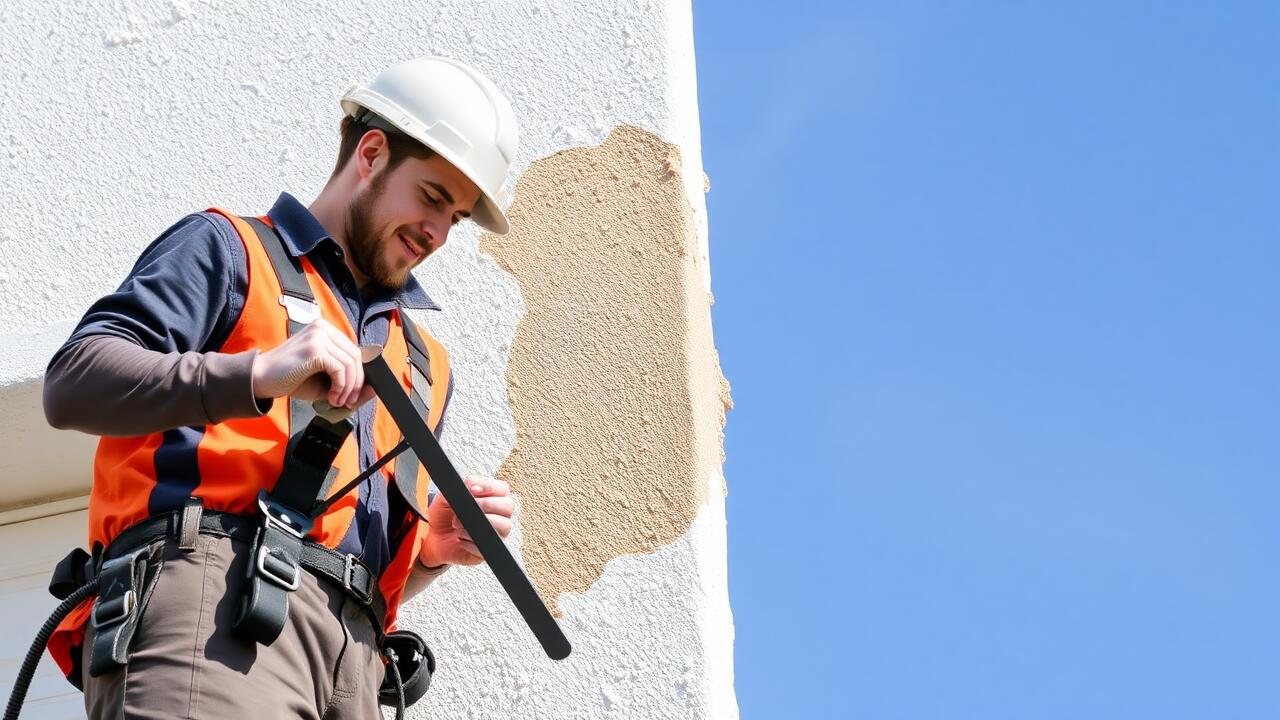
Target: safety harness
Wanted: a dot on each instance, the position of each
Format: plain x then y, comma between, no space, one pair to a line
125,572
287,512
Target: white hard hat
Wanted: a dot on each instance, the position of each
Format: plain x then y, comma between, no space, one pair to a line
456,112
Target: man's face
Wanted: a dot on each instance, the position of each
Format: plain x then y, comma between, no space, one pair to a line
405,214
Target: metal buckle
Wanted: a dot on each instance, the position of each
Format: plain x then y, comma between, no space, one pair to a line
129,599
278,516
348,570
288,583
300,310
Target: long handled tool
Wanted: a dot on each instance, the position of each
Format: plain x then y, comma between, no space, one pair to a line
388,389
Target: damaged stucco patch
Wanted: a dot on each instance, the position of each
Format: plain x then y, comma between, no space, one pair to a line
613,380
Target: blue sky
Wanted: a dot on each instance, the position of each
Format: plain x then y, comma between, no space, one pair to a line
996,291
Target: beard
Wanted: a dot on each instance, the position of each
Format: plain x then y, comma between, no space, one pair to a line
367,248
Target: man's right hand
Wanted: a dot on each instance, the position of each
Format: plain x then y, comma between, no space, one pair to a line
319,362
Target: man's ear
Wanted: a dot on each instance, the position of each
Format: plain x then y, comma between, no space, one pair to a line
372,153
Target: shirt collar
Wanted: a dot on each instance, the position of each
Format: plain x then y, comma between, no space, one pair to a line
302,233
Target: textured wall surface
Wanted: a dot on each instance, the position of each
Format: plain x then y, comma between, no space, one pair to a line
608,364
123,115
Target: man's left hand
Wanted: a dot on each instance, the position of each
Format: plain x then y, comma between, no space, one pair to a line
447,542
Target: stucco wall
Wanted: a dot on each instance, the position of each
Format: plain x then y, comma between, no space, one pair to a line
123,115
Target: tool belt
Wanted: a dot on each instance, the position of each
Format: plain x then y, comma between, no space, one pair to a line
128,569
279,550
127,572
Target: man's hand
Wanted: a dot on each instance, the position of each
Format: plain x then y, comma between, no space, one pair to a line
319,362
447,542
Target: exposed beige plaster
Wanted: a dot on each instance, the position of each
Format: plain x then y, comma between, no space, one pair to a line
614,382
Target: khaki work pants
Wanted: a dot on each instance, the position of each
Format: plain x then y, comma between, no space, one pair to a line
186,662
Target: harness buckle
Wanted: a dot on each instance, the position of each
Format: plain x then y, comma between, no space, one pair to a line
277,569
106,613
300,310
282,518
118,596
362,594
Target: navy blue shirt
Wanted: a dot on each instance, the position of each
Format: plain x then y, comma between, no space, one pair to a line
186,292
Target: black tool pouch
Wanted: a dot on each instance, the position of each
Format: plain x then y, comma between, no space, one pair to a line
71,573
414,661
124,586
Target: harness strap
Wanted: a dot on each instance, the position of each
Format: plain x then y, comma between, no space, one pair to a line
275,566
406,474
274,571
417,349
189,531
298,301
293,281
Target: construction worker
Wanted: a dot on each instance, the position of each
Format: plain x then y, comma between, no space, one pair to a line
199,373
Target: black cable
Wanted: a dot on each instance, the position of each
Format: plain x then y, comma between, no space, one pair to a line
335,497
394,669
28,670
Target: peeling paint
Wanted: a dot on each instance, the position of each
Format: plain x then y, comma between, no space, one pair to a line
613,380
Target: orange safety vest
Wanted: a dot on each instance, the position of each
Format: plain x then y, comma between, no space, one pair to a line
134,479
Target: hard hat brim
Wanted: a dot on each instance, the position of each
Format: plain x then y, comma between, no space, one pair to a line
489,216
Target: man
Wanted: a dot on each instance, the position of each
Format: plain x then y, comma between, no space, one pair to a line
199,372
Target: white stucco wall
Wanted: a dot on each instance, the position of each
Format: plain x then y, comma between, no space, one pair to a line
120,116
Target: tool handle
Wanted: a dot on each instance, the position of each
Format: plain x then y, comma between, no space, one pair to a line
332,414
